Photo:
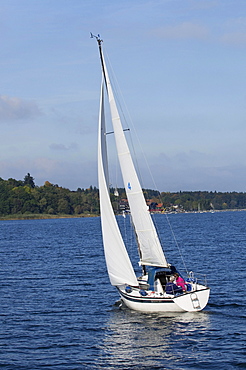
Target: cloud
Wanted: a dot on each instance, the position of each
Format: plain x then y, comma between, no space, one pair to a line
204,4
62,147
14,109
185,30
234,32
188,159
234,38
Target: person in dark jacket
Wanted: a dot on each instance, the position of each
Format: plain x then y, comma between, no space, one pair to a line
172,288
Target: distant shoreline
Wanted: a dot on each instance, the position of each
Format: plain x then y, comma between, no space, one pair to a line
86,215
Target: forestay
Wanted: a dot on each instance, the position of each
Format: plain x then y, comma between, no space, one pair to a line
151,252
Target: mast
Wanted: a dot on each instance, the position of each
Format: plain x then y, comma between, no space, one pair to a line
100,41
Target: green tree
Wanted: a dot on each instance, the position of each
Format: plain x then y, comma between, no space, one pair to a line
29,180
63,206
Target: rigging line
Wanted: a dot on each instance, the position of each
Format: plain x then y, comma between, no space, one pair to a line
152,178
129,236
148,168
119,97
115,86
176,242
134,238
114,80
167,218
136,160
116,182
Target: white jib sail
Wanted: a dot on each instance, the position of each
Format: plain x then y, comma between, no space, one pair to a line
119,266
149,243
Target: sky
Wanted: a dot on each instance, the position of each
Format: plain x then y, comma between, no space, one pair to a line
181,69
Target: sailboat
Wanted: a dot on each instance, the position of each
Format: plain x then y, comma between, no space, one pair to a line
146,292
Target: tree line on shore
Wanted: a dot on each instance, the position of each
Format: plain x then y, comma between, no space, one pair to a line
19,197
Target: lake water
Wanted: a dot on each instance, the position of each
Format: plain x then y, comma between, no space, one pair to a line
58,310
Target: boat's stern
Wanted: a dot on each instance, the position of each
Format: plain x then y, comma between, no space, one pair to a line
195,300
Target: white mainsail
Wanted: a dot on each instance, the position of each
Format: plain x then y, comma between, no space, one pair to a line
119,266
151,252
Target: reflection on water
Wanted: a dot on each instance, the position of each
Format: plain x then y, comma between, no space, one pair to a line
154,341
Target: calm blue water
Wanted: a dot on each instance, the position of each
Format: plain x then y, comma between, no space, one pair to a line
58,311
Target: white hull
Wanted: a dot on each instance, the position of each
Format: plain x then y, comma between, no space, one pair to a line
154,302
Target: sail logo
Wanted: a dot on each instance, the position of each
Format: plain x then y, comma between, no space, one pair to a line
129,186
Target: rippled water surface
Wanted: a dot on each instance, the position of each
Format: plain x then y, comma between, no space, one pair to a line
58,310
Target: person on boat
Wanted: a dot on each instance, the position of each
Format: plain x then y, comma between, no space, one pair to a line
172,288
179,281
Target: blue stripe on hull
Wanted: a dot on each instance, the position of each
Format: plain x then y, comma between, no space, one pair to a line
145,299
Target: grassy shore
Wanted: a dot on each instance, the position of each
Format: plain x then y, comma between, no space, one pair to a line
42,216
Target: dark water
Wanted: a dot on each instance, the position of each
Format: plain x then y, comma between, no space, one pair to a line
57,308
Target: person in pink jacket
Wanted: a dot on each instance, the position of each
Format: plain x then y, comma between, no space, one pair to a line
180,281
